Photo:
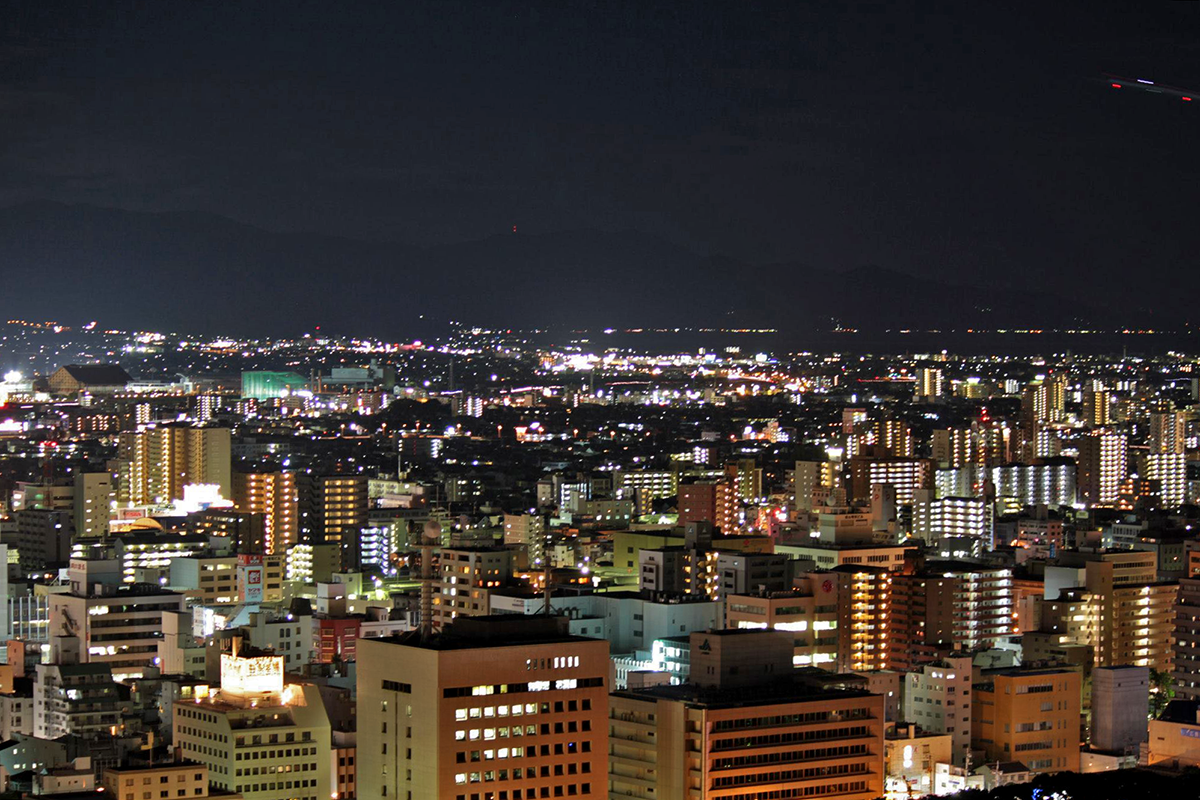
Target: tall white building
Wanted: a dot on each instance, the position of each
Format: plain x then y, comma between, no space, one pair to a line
938,698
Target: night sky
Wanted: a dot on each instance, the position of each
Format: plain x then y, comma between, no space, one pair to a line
974,141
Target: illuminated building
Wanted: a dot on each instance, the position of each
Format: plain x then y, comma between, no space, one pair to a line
1168,432
808,612
912,757
276,497
93,501
205,580
1049,482
1102,468
930,383
937,696
178,779
906,474
1170,472
117,627
949,604
528,530
1131,617
1031,716
741,727
80,699
746,477
257,736
1097,408
154,465
1186,644
715,502
537,726
952,518
466,576
863,595
812,481
264,385
341,506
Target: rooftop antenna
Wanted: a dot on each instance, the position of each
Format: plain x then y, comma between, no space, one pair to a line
431,536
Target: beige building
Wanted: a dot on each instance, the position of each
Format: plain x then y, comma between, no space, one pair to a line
154,465
466,578
174,780
428,727
1031,716
257,737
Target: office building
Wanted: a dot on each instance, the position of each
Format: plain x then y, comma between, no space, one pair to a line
1030,716
743,727
428,728
466,578
257,736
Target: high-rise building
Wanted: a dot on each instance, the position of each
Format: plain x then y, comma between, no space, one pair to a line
1049,482
746,477
930,383
340,506
966,518
154,465
428,727
1102,468
258,737
1170,472
809,613
1031,716
1097,408
276,496
812,482
906,474
1168,432
742,727
117,626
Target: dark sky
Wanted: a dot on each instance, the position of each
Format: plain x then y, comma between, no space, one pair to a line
955,139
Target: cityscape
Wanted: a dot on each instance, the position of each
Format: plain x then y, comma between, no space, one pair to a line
625,401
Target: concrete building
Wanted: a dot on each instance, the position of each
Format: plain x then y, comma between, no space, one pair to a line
743,727
80,699
937,697
466,576
1186,640
809,613
118,627
154,465
430,729
183,779
93,499
1120,707
1031,716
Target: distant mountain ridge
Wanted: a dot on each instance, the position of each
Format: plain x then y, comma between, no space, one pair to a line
205,273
